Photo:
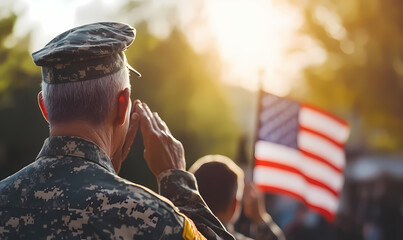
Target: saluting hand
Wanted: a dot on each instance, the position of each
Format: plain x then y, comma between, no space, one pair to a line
162,151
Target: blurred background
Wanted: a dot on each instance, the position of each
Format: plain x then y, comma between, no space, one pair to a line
202,62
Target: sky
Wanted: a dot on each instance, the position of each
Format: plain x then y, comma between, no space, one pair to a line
253,37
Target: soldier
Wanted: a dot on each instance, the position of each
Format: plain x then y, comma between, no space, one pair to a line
221,184
72,190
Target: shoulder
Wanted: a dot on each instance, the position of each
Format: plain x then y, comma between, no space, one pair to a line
140,193
108,204
126,204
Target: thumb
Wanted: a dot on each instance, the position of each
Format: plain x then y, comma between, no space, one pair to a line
145,121
131,133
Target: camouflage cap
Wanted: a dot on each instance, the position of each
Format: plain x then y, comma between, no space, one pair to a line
86,52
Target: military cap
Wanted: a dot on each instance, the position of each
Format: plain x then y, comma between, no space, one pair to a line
86,52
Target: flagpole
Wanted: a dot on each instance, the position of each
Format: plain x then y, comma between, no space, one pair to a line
257,125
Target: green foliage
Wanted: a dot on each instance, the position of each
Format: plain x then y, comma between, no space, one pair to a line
362,77
16,68
22,129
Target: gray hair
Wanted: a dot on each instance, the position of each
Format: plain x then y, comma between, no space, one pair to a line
90,100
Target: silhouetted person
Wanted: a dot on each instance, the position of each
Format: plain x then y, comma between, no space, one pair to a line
221,184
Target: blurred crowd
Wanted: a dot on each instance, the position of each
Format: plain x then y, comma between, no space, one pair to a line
370,209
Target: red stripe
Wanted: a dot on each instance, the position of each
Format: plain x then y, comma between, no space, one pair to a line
320,159
331,140
323,112
324,212
273,164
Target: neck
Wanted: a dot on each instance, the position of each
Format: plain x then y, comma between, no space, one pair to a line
100,135
223,217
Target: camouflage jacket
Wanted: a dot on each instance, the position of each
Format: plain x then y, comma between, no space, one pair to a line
71,191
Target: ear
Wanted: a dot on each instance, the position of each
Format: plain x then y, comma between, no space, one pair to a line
235,209
234,206
42,106
123,106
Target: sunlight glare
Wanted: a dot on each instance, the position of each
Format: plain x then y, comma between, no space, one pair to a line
253,36
250,36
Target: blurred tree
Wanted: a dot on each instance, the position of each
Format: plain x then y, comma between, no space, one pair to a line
20,142
16,68
362,76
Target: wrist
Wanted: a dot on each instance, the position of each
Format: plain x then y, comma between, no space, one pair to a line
167,173
172,181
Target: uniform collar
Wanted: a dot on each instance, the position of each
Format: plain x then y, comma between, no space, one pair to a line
76,147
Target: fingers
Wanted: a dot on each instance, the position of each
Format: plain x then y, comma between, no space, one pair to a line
151,120
150,115
145,119
135,103
161,124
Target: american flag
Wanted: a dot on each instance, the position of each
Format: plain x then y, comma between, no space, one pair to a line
299,152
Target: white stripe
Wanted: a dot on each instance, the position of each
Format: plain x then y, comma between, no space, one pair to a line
291,157
280,178
295,183
322,173
272,151
321,147
319,122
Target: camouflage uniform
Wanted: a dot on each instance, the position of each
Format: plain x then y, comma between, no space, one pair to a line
85,53
72,191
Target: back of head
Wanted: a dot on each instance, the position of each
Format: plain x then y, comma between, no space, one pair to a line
220,181
83,69
83,100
